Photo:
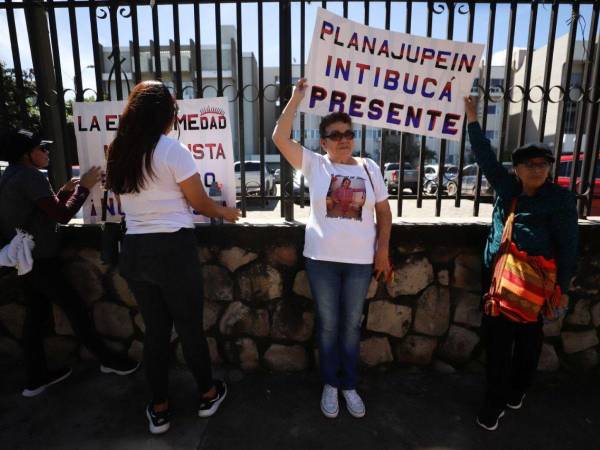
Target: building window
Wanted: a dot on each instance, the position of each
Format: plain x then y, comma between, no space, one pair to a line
496,82
491,109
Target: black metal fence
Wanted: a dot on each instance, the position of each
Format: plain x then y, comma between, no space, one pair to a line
567,107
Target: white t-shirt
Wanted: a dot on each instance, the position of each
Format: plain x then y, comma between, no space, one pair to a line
161,207
341,225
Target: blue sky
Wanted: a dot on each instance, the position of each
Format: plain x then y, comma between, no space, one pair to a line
271,28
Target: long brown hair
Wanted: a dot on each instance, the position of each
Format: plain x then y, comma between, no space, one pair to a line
149,112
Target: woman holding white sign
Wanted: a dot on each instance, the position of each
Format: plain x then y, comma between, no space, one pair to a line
343,244
158,181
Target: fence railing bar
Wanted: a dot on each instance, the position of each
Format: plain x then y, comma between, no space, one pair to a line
444,143
75,49
423,147
240,94
219,51
197,53
261,104
285,84
98,57
461,154
560,129
548,70
16,56
135,47
177,48
486,97
582,173
302,115
528,62
156,43
508,79
116,51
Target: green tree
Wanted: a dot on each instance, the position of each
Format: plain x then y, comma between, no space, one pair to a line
12,114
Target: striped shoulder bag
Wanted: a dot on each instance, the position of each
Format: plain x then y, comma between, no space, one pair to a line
523,286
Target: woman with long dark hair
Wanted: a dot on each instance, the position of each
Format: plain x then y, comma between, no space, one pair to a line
158,181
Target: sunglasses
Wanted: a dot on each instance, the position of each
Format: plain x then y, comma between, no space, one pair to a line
338,136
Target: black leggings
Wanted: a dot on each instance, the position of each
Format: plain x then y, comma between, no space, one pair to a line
44,285
163,272
512,354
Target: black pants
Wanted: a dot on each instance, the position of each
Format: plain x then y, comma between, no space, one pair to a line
44,285
163,272
512,354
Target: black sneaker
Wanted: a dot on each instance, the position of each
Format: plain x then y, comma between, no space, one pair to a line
52,377
158,422
209,407
488,418
121,366
515,400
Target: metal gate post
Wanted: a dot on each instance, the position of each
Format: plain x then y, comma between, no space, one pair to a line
43,67
285,90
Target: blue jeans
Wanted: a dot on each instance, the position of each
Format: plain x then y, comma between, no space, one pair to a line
339,290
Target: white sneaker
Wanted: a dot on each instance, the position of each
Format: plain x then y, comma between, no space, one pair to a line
329,401
354,403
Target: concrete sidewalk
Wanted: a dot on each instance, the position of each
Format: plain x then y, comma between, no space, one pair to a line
405,410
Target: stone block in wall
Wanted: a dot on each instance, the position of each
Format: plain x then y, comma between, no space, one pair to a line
595,311
12,317
10,349
432,315
386,317
549,361
260,282
283,255
240,319
443,367
443,277
218,285
301,285
587,359
113,320
578,341
243,352
373,286
204,255
415,349
59,350
554,327
62,325
92,256
409,248
122,290
468,309
139,321
581,314
467,272
235,257
136,351
85,279
375,350
411,277
213,350
288,358
211,313
291,322
443,254
459,344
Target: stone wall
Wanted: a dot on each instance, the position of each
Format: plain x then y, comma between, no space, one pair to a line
259,311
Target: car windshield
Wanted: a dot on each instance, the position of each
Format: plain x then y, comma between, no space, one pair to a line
249,166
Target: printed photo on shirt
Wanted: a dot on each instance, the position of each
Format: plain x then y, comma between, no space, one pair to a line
346,197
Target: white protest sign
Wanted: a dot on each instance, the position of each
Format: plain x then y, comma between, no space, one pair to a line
202,125
387,79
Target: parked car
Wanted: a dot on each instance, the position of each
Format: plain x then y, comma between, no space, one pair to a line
252,173
564,178
391,175
3,166
469,183
277,176
430,177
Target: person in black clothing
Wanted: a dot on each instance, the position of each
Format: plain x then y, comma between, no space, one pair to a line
28,202
545,224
